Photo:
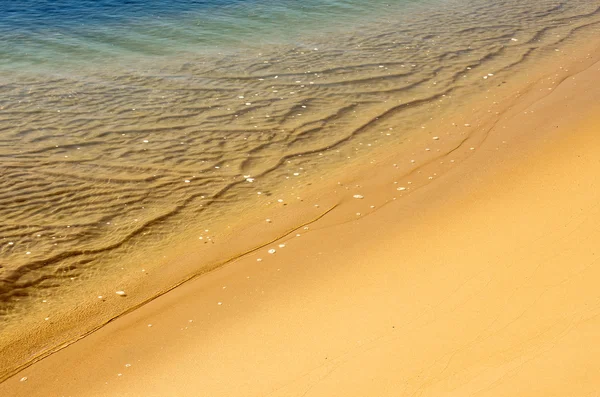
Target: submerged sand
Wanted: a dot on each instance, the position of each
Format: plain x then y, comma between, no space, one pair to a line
479,282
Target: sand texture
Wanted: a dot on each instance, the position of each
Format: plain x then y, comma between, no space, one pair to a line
482,282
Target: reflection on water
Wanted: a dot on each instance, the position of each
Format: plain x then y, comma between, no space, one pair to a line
110,158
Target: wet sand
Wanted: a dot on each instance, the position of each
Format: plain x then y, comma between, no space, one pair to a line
481,282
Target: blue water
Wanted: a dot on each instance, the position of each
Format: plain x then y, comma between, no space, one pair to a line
66,32
27,14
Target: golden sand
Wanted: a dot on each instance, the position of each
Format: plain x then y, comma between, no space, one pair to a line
476,276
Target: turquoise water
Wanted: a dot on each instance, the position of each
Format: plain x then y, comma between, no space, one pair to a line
68,32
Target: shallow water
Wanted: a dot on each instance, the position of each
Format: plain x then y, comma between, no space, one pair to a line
39,33
127,125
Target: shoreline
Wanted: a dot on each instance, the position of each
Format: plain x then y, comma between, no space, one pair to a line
488,179
362,171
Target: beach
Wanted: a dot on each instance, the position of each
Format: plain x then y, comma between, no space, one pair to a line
470,274
327,198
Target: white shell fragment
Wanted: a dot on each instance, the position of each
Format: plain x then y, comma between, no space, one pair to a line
271,251
358,196
121,293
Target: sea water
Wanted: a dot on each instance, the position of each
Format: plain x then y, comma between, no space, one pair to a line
66,33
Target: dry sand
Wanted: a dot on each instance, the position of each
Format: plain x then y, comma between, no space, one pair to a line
482,282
